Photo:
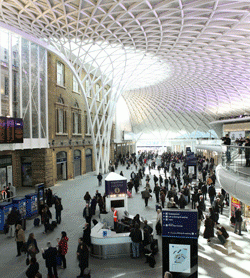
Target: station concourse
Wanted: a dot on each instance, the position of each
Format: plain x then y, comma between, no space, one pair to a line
83,82
214,260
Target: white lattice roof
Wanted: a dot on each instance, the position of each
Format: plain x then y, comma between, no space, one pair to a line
196,66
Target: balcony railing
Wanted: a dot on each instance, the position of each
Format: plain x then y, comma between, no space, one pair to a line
234,160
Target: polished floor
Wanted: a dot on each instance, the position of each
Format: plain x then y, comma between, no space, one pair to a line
214,259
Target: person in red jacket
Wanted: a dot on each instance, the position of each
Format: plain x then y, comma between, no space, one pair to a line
63,247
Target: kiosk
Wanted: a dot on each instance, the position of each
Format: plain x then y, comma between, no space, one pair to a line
40,195
116,192
5,209
31,205
107,243
20,204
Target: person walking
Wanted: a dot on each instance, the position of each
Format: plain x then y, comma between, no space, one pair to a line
163,198
83,258
157,190
87,197
146,195
209,228
20,239
136,237
99,177
93,205
211,193
58,208
63,248
86,235
49,256
158,225
12,221
87,214
32,248
238,221
182,202
33,268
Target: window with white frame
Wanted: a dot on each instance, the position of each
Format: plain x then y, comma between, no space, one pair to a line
60,73
75,85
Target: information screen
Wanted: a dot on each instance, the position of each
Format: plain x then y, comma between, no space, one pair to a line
179,223
11,130
179,258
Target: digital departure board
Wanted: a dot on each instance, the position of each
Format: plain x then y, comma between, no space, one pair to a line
11,130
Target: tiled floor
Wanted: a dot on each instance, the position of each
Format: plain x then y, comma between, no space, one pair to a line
214,260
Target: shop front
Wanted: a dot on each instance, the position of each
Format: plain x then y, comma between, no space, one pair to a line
61,164
245,210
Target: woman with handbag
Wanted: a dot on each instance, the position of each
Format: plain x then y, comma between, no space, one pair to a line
63,247
32,248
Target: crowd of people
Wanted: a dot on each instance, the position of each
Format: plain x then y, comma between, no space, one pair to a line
164,179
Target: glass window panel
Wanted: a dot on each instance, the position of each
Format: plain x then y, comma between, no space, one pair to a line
15,76
4,57
60,74
43,68
25,88
34,89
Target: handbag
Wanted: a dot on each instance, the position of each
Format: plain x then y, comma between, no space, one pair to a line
38,275
32,248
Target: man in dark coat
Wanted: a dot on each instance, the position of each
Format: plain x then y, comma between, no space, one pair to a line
211,193
99,177
136,237
157,190
83,257
12,220
86,234
238,221
87,214
50,260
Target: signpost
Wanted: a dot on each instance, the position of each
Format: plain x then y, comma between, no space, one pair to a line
180,242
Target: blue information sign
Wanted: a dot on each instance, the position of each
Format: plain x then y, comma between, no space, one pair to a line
179,223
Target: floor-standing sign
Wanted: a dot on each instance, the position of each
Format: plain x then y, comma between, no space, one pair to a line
180,242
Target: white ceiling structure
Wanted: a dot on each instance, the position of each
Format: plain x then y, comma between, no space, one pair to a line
179,64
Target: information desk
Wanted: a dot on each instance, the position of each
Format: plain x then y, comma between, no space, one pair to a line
107,244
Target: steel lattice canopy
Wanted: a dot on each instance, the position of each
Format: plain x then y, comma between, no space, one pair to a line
179,64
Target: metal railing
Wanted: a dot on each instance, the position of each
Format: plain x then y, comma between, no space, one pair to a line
234,159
